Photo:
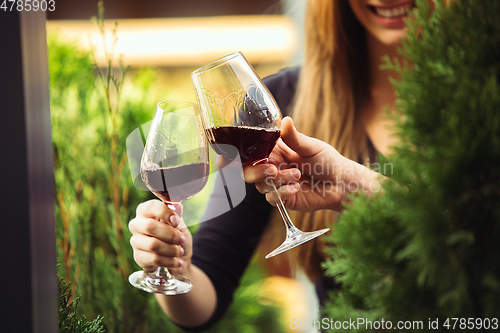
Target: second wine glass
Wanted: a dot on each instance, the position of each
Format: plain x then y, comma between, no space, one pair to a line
174,167
237,110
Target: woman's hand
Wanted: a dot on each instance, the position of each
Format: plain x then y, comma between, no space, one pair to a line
308,173
160,238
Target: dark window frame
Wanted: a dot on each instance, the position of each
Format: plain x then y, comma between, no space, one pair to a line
27,243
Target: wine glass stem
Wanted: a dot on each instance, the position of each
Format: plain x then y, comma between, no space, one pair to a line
281,208
161,272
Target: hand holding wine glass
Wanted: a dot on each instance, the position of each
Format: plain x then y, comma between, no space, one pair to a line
241,117
160,237
313,175
174,167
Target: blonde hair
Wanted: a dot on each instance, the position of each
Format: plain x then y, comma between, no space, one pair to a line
333,83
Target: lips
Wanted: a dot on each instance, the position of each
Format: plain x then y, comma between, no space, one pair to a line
392,12
392,17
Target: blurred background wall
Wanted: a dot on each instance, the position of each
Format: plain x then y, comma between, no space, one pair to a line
119,9
178,36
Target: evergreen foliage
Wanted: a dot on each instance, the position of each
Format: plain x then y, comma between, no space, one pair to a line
68,313
427,248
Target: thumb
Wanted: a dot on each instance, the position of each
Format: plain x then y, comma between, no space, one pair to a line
298,142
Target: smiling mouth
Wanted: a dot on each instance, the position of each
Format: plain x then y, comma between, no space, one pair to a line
393,12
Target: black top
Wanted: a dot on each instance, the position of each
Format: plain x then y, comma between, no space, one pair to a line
224,245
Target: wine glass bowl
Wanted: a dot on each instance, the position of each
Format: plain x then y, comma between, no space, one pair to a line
174,167
237,110
175,162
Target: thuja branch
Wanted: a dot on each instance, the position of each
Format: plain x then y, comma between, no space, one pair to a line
112,85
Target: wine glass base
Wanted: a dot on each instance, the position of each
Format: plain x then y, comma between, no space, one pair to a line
295,239
173,286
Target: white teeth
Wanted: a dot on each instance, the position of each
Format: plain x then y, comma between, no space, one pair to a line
393,12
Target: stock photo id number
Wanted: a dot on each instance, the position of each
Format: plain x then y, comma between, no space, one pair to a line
27,5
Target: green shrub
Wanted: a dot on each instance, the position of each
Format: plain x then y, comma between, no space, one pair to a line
427,248
69,321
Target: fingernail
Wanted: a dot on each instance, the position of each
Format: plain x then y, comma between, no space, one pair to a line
174,220
296,186
181,263
183,239
182,251
270,171
295,173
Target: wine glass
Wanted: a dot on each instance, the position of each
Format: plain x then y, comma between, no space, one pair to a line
174,167
237,110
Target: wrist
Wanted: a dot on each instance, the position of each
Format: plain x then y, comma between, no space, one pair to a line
358,178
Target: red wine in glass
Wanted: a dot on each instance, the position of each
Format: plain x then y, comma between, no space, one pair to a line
176,184
252,143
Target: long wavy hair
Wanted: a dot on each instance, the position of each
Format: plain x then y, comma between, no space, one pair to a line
333,83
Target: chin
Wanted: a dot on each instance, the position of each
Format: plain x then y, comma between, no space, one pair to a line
392,38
